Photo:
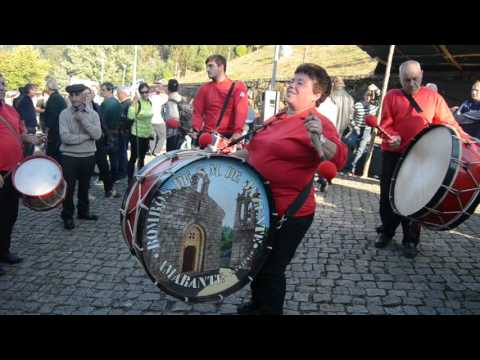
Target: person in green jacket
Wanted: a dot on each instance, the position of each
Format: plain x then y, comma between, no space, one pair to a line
142,131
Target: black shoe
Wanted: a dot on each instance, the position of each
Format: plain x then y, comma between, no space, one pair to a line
409,249
108,194
68,224
382,241
10,259
323,184
2,272
249,308
88,217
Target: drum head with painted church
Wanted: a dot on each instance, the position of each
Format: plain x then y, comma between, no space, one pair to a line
204,235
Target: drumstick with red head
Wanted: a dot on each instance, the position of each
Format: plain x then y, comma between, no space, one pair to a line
205,139
372,121
327,170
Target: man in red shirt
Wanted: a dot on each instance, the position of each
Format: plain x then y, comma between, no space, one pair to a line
211,98
403,122
12,137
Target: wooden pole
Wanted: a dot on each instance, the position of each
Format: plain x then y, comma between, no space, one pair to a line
384,91
134,75
274,70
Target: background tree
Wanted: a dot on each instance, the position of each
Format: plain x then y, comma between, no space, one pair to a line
22,65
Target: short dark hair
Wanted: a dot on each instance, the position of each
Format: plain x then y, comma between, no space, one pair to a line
28,87
172,85
219,60
143,85
108,85
319,76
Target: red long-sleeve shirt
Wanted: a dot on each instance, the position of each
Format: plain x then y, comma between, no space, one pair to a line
11,150
399,118
283,154
208,104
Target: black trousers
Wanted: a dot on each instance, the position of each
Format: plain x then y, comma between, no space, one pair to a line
269,286
53,147
143,146
9,213
390,220
77,169
174,142
101,160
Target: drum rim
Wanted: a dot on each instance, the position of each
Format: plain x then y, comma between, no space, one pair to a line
128,194
448,179
260,259
24,160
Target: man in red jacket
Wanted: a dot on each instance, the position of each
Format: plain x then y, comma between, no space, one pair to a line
403,121
213,96
12,137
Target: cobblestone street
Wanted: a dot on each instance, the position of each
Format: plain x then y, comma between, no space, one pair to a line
336,270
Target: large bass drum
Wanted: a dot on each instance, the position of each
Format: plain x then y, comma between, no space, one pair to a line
437,181
198,223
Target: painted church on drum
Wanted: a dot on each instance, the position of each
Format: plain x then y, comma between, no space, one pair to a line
191,234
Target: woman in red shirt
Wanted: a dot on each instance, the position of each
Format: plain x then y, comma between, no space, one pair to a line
287,153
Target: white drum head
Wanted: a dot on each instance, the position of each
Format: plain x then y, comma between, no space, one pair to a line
37,177
422,171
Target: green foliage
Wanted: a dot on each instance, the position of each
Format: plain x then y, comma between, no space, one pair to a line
241,50
227,238
23,65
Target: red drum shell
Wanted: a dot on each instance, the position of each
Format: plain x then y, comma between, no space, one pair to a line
458,196
48,200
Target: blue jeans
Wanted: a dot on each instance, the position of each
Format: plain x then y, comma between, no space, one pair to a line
358,143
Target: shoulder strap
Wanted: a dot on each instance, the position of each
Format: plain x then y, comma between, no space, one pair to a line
13,131
297,203
412,102
230,91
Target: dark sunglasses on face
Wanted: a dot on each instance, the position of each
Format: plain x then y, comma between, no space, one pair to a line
144,92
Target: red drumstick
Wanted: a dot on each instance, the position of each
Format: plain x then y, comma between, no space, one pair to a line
371,120
327,169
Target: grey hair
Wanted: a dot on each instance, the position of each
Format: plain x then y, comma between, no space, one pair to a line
52,84
406,63
124,89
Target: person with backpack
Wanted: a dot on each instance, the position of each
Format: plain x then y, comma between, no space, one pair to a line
141,113
178,116
158,98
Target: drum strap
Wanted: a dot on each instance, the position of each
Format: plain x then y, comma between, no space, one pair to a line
412,102
224,108
10,127
296,205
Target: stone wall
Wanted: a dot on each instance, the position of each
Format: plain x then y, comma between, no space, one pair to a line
186,207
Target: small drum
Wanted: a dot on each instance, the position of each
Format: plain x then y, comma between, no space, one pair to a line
39,179
437,181
198,223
